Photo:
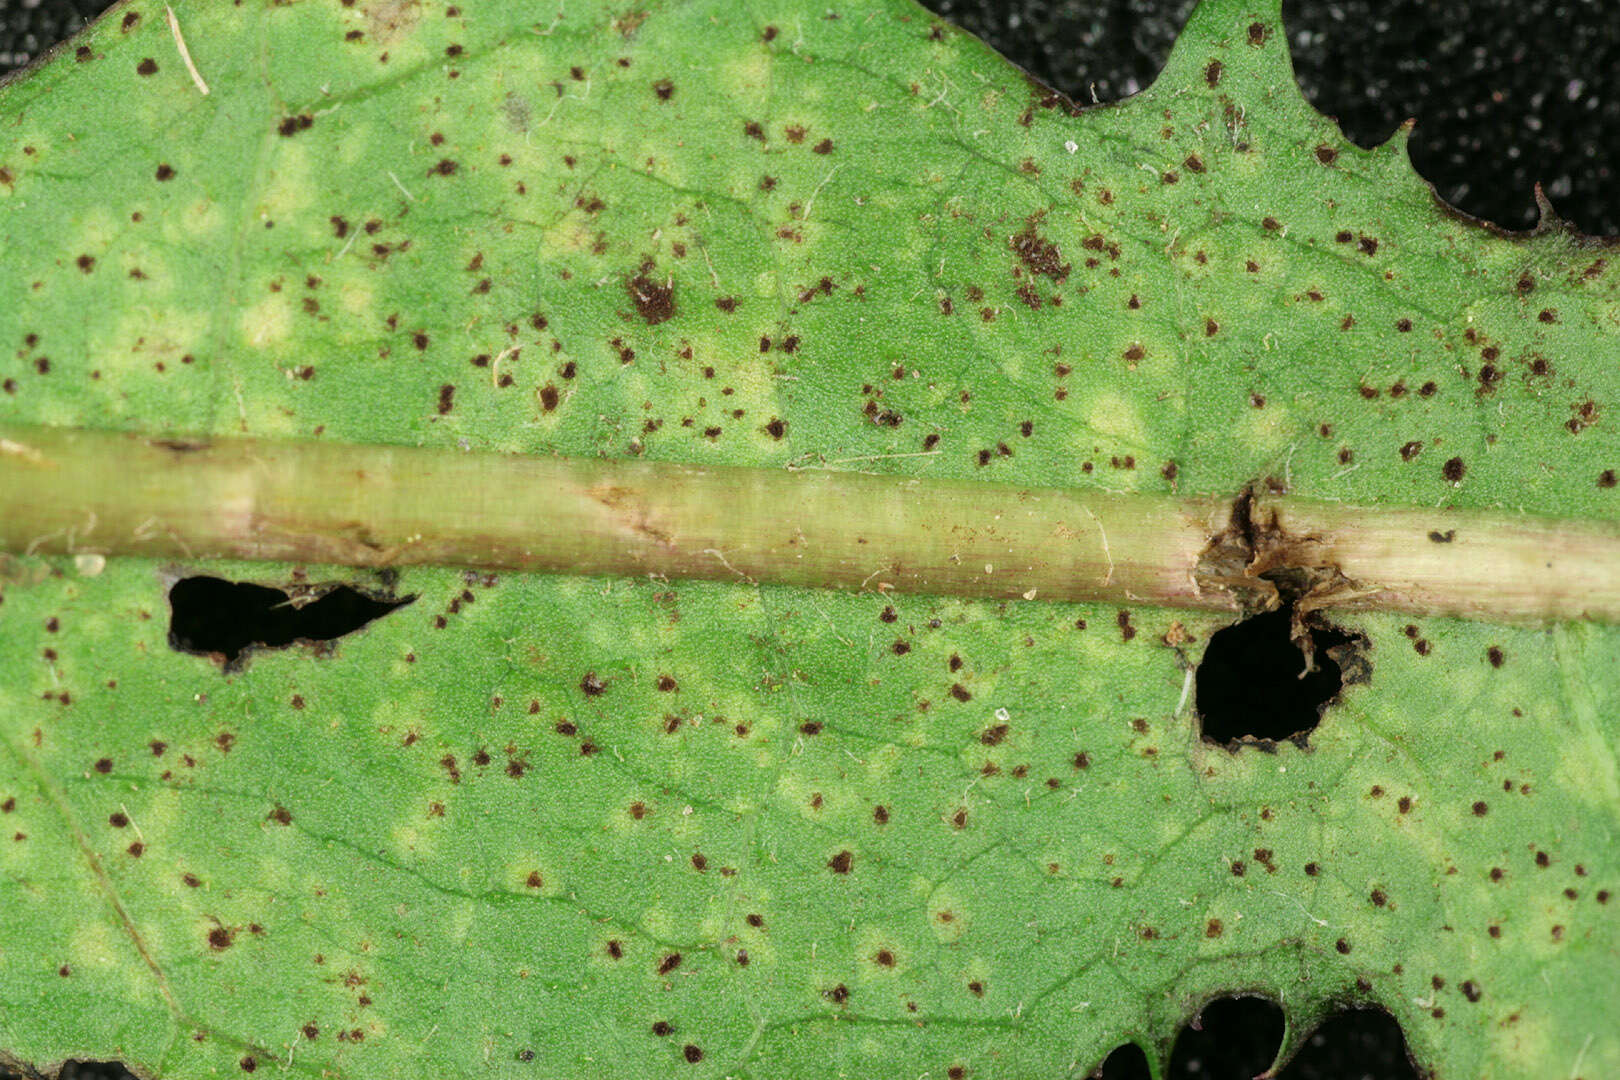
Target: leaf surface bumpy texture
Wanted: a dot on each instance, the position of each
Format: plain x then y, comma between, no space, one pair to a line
554,826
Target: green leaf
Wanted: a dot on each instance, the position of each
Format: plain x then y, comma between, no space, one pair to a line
551,825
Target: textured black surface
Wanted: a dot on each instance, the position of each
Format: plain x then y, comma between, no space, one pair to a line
1505,94
29,27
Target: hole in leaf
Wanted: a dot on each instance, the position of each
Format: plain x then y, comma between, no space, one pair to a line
1357,1042
81,1070
1253,684
1230,1037
211,616
1237,1038
1127,1062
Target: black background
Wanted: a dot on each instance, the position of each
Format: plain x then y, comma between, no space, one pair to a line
1505,93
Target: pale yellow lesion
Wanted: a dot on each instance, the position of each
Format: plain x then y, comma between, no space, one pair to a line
1113,416
267,323
288,185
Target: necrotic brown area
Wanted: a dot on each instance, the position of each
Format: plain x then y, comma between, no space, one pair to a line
1039,254
655,301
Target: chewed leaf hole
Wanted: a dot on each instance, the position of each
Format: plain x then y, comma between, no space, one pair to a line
1235,1038
1254,683
80,1070
214,617
1127,1062
1356,1042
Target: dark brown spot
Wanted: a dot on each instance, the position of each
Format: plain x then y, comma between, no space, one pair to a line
1453,470
690,1051
654,301
1212,72
146,67
447,398
1257,33
842,862
219,938
1038,254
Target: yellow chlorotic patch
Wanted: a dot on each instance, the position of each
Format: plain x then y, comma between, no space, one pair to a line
202,218
658,924
1529,1042
144,336
572,233
97,228
267,322
749,77
288,186
1115,417
460,921
357,298
881,763
1268,428
947,916
96,944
